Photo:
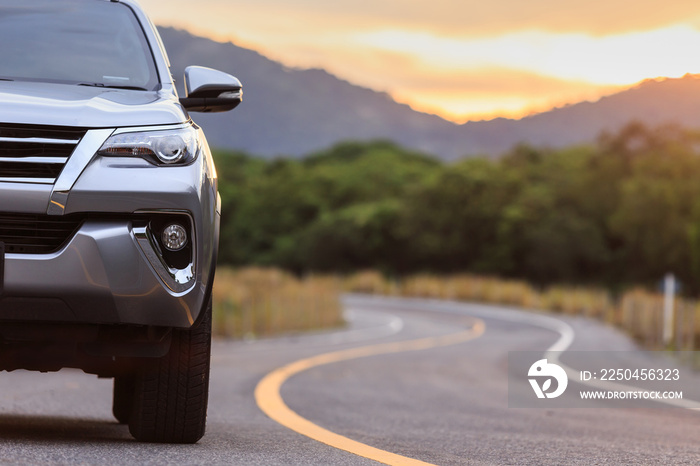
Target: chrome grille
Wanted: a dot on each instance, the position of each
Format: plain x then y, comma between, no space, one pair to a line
35,154
37,234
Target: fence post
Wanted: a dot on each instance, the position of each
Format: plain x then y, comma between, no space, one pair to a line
669,293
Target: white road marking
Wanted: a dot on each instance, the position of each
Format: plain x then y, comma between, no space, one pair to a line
565,331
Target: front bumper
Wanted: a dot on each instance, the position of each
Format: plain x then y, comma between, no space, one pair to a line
102,276
107,273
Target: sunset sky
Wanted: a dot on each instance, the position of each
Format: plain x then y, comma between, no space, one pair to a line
462,59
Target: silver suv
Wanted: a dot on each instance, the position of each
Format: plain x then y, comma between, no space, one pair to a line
109,210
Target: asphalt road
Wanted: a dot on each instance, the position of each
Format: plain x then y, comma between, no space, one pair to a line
443,403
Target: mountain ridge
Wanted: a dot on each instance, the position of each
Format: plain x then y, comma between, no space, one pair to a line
293,112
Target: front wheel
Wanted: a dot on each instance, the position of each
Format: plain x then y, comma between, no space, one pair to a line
170,397
123,398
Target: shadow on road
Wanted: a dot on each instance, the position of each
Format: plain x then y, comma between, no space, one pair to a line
54,429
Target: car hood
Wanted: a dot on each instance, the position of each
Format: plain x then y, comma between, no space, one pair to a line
84,106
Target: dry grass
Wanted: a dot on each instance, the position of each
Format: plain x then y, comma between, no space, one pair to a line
369,282
254,302
567,300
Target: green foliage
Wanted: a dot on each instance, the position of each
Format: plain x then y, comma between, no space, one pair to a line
625,210
335,210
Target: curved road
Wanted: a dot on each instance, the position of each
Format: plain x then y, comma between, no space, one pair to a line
429,382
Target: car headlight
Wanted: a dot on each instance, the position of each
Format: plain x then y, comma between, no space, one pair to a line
169,147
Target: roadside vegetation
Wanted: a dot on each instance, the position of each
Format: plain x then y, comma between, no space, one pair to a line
256,302
568,230
620,213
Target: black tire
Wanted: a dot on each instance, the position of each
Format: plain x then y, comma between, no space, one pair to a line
170,402
123,398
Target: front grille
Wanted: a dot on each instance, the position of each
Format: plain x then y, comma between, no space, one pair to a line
37,234
35,154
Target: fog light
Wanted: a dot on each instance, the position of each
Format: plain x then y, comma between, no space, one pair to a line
174,237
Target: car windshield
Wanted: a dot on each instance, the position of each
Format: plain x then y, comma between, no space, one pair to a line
88,42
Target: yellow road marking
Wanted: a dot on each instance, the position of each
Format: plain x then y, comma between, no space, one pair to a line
269,399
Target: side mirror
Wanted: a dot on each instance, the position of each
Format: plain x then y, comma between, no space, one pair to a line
208,90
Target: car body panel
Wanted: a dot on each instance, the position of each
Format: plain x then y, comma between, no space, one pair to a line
86,107
103,275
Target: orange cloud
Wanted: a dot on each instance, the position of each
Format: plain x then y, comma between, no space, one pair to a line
463,17
462,58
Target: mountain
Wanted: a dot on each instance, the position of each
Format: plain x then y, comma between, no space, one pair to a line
653,102
292,112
